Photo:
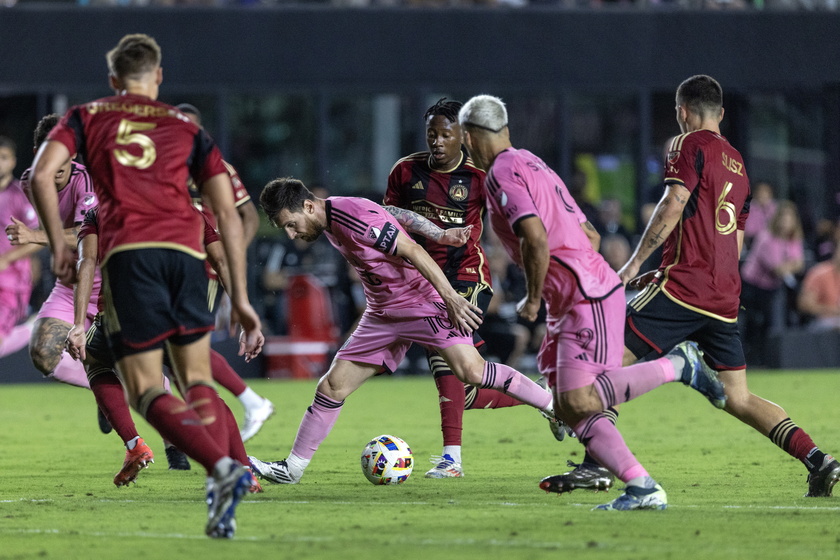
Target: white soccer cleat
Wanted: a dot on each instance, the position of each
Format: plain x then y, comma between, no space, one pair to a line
445,467
255,418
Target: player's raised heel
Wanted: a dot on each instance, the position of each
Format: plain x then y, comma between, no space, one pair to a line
255,418
698,375
224,491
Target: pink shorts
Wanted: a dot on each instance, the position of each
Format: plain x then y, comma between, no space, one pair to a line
59,305
13,306
383,338
584,342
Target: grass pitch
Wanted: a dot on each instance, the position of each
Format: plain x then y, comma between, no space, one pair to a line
732,493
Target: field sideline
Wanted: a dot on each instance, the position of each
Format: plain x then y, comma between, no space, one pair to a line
732,493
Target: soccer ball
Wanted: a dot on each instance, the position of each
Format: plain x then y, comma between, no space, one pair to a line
387,460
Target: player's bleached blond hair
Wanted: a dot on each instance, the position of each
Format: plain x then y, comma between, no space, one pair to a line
485,112
133,56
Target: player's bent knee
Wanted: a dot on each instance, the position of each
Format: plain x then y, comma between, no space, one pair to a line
44,359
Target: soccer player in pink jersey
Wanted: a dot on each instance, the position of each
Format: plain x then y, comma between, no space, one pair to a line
75,198
140,153
15,268
542,229
700,222
409,300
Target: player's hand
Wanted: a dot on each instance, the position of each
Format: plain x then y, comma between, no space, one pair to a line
462,313
251,339
64,264
75,342
527,309
18,233
640,282
456,237
628,272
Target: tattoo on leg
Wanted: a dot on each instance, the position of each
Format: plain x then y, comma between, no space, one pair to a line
47,343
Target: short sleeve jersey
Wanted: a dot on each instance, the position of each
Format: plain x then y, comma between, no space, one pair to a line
520,186
140,154
366,235
700,256
449,199
17,277
75,199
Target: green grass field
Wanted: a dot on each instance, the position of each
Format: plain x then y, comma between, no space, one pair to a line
732,493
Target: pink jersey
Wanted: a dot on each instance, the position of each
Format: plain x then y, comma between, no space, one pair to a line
366,235
75,199
521,185
17,277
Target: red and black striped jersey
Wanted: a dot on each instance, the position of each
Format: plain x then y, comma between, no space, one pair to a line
140,153
700,257
449,198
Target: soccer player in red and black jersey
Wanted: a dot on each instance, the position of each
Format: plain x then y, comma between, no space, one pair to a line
140,153
695,292
257,409
445,187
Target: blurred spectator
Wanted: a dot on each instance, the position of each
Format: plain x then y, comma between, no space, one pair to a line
762,208
777,256
820,294
611,217
616,250
577,188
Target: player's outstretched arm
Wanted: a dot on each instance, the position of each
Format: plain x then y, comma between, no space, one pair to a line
461,312
415,223
665,218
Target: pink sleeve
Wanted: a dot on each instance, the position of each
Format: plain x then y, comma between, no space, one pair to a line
509,195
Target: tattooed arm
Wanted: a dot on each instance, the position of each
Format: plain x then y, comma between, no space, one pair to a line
415,223
666,216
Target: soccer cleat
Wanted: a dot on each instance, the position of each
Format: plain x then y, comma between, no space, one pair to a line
104,425
636,497
255,418
584,476
558,428
698,375
256,487
177,459
135,459
821,481
224,491
273,471
445,467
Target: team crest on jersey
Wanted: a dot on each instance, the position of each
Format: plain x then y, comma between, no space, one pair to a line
458,192
673,157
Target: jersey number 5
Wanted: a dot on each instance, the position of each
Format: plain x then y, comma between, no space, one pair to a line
129,132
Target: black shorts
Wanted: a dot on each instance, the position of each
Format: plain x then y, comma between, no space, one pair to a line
655,324
478,295
153,296
99,357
